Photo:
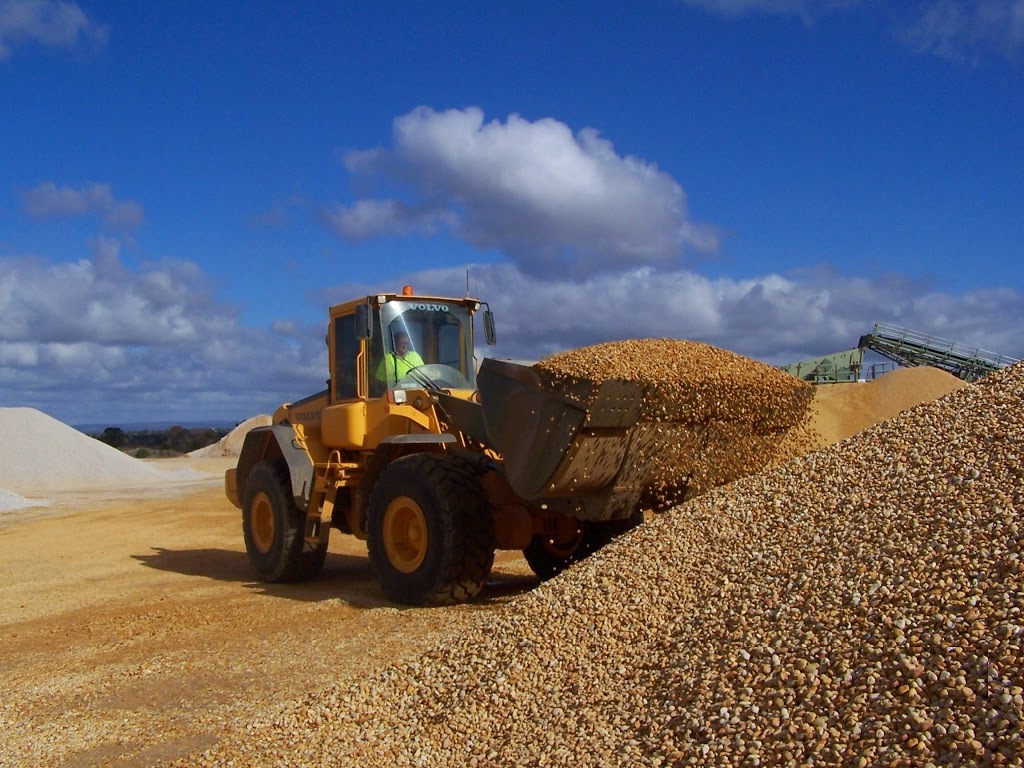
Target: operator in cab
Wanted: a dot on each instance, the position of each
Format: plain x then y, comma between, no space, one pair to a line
397,363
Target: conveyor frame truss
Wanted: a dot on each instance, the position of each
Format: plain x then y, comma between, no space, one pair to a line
910,348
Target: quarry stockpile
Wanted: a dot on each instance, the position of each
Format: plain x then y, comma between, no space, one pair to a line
10,501
721,415
861,605
231,443
842,410
42,455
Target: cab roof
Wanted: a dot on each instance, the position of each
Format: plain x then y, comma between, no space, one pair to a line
382,298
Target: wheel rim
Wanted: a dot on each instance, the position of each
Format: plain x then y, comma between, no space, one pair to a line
261,522
405,534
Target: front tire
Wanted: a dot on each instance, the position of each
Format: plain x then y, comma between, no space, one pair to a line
430,531
273,527
547,558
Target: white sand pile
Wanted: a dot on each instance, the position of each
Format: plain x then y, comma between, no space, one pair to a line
231,443
40,454
11,501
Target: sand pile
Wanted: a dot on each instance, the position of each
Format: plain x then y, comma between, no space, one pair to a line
842,410
231,443
42,455
11,501
857,606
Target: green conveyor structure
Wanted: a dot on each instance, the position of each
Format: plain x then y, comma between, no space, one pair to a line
836,368
910,348
903,347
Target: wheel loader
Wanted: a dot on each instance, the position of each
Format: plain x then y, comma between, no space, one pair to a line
438,463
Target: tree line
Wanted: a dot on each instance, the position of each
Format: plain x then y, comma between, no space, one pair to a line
160,442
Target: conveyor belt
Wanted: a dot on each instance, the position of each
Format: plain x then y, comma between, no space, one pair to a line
910,348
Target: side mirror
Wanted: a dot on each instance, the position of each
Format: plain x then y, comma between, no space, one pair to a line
364,322
489,333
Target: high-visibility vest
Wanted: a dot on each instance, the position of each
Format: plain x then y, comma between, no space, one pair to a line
395,367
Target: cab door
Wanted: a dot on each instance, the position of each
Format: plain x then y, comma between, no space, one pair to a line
346,351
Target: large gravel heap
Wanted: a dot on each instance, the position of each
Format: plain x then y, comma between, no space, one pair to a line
859,606
719,416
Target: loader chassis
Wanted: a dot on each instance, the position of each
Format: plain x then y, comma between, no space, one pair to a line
410,459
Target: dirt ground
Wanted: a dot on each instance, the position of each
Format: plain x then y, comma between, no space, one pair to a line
132,631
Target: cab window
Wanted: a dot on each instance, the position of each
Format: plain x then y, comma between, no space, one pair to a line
346,351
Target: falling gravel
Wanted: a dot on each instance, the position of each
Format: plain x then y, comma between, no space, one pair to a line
717,415
858,606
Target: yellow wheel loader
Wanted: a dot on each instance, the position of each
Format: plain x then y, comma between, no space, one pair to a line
436,463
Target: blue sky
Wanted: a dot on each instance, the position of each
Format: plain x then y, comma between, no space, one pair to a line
186,187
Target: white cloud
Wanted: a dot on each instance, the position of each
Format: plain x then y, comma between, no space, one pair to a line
547,198
372,218
93,340
958,28
98,299
49,23
46,199
774,318
953,29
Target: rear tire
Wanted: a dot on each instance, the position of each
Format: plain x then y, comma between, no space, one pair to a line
430,531
273,527
548,558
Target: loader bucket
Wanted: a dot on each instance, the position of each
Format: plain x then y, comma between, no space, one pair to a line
583,441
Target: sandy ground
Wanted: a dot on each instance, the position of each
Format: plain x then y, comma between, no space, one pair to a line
131,627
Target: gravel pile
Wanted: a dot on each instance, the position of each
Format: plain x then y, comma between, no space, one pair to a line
689,382
719,416
858,606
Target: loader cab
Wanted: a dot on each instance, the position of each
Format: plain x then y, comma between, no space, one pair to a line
401,341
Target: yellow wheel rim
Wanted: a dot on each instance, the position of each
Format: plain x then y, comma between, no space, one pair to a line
261,522
405,534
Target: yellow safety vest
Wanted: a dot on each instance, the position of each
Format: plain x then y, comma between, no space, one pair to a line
394,367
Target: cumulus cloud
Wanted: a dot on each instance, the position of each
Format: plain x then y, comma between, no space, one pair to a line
549,199
47,199
98,299
94,340
372,218
774,318
46,22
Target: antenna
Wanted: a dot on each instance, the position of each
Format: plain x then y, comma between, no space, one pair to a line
467,282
